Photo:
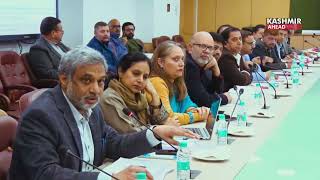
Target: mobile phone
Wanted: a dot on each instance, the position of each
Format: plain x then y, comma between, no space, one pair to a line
166,152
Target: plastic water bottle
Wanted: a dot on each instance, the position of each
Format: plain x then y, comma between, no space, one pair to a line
242,115
183,161
302,60
258,96
222,130
141,176
273,81
295,74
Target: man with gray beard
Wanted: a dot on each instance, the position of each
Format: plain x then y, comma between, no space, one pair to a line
203,79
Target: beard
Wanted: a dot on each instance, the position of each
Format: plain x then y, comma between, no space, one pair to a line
200,61
130,36
80,104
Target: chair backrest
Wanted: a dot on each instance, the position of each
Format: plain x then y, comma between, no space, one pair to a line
179,39
26,99
24,59
12,70
158,40
8,127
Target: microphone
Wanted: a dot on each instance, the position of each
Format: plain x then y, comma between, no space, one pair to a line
298,63
314,36
274,89
313,45
235,105
65,151
264,97
129,113
235,88
284,74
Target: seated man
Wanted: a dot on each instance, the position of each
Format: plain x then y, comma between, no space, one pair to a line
66,120
203,80
100,43
258,31
218,45
116,45
133,45
248,43
45,55
282,48
265,49
233,69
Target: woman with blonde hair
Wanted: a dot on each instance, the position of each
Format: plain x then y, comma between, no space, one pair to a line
167,77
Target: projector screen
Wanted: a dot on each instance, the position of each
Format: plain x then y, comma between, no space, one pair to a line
20,19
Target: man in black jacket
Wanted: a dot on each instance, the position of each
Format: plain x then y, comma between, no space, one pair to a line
203,79
45,55
268,55
233,69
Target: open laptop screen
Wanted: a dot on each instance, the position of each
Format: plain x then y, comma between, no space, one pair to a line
213,116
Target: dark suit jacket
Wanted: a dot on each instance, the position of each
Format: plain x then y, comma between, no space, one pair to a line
48,125
262,50
203,87
44,60
229,69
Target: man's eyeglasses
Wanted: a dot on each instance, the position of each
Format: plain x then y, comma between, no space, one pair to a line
253,43
204,47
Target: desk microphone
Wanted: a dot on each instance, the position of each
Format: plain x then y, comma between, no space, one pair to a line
313,45
298,63
235,105
314,36
65,151
264,97
274,89
235,88
272,68
129,113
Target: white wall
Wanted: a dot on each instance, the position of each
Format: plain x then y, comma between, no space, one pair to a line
105,10
71,15
79,16
166,23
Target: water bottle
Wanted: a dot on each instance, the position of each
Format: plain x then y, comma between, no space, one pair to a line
141,176
273,81
183,161
258,96
222,130
295,74
242,115
302,60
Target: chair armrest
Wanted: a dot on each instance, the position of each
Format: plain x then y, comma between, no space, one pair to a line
21,87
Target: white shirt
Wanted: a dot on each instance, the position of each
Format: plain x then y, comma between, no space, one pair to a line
87,141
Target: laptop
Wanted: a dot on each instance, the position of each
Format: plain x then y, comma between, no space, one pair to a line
206,133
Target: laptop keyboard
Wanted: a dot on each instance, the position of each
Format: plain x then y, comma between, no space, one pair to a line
202,132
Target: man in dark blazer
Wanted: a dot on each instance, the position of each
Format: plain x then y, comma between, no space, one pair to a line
45,55
265,50
66,119
233,69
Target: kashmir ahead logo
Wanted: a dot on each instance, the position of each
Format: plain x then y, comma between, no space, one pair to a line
284,23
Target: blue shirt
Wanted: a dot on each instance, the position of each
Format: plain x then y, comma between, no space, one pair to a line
104,49
255,76
117,47
181,106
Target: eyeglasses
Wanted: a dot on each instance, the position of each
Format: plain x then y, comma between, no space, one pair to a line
116,26
253,43
203,47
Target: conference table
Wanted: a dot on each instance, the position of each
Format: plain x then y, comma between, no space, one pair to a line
282,147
